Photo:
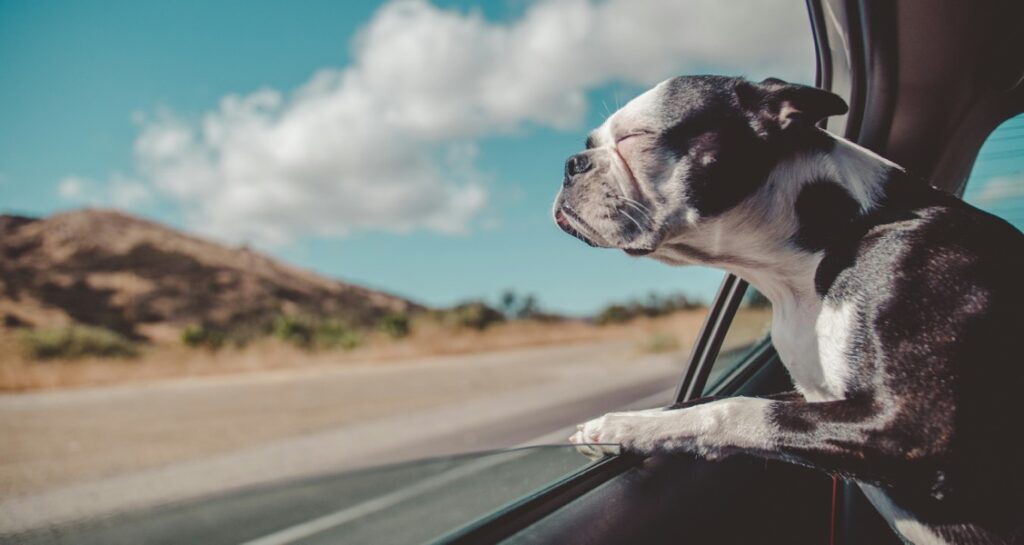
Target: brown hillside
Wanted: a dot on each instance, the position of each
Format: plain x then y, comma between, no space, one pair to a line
140,278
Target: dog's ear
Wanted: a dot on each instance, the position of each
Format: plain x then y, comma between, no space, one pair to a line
787,104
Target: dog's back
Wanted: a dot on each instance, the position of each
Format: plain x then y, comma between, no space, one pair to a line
938,287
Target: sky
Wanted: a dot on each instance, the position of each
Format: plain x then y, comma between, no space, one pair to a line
409,146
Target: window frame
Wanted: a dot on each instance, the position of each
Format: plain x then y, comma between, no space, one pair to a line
709,341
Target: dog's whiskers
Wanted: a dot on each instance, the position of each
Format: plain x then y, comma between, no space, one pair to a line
635,202
642,213
631,218
639,207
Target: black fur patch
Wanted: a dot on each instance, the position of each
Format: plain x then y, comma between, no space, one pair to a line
711,122
823,208
740,164
903,194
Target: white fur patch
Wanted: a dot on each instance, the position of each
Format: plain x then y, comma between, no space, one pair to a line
739,422
792,321
835,330
861,171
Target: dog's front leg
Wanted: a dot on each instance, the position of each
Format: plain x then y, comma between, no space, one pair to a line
832,435
709,429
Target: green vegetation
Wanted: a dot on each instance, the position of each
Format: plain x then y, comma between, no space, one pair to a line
330,335
471,315
305,332
197,336
395,325
523,307
75,342
653,306
320,333
315,334
294,330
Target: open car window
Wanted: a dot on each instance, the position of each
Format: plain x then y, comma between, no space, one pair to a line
748,332
211,380
996,184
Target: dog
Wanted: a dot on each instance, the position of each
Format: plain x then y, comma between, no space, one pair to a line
896,307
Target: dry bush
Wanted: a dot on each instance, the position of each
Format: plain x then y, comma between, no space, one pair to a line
427,337
74,342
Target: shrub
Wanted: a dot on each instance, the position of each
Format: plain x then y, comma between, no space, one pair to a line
331,335
309,333
614,314
294,329
524,307
653,306
196,336
395,325
473,315
75,342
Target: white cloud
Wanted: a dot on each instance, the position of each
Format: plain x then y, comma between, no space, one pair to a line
127,193
119,191
1000,188
388,141
74,188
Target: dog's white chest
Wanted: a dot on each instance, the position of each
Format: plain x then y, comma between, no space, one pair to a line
813,341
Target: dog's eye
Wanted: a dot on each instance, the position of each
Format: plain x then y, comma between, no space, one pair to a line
633,134
626,143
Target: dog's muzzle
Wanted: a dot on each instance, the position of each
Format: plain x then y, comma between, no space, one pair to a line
562,220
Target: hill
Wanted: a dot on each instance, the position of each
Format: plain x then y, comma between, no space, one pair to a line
146,280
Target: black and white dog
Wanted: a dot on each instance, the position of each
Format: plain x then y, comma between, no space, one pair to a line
897,309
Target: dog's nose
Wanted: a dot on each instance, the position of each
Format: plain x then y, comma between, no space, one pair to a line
576,165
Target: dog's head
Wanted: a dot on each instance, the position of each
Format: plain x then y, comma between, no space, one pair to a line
685,152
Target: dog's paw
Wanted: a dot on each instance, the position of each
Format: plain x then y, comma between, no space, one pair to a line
594,440
612,433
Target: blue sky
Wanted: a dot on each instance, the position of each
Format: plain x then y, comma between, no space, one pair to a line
111,103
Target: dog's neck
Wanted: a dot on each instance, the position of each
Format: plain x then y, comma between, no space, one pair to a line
755,240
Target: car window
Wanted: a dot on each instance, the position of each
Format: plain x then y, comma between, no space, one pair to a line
747,331
996,183
265,263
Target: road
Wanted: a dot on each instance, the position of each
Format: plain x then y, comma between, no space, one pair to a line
239,457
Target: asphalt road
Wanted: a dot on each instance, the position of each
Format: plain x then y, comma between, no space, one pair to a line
408,503
307,488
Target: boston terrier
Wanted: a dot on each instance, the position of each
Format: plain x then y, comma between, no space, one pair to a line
896,307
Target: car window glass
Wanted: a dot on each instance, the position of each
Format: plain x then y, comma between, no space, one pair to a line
749,328
261,264
996,184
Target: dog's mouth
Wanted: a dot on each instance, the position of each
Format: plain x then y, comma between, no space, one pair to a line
584,232
562,216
